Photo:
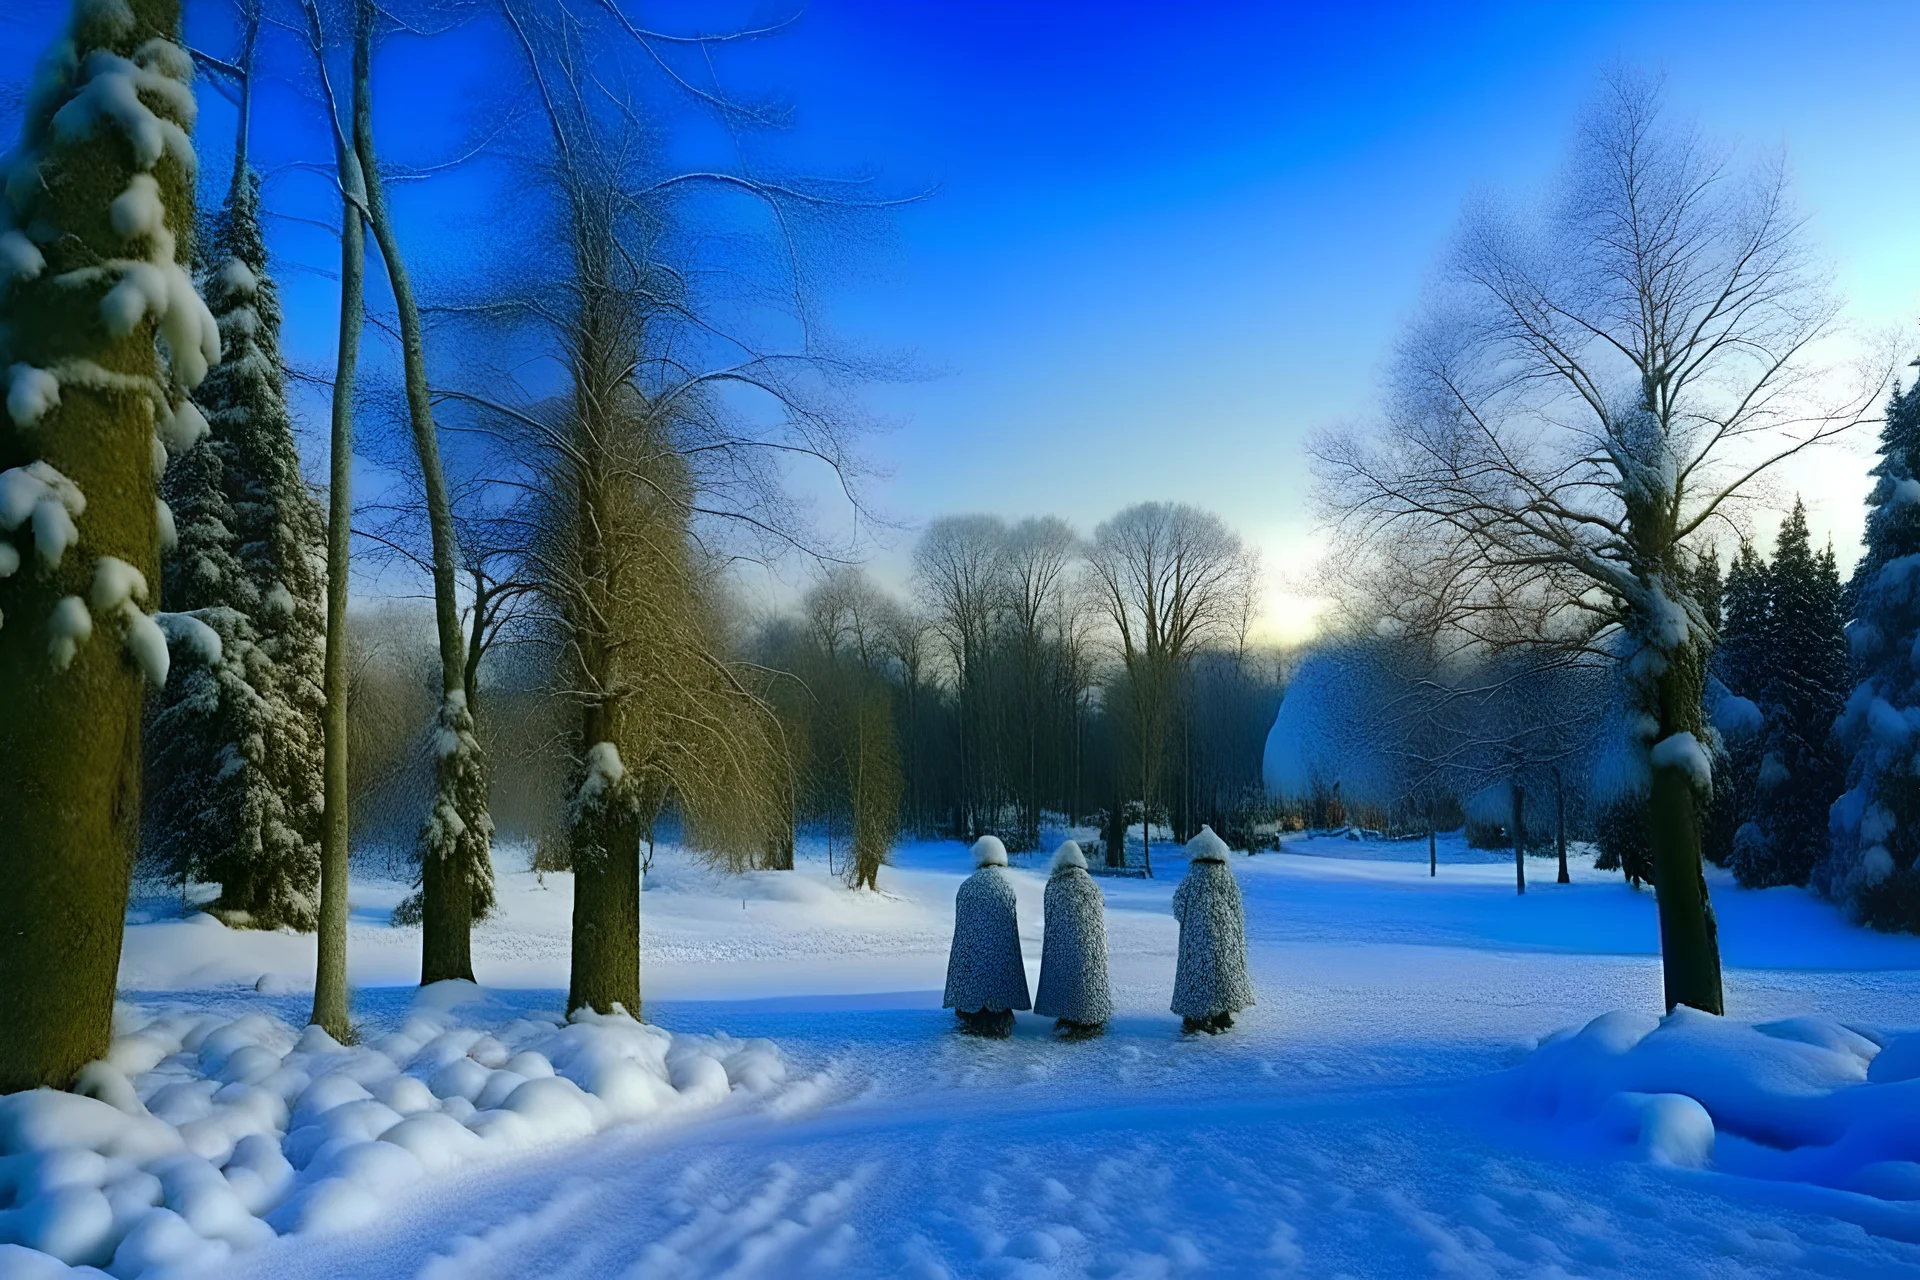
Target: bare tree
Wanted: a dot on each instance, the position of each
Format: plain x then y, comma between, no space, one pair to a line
846,612
908,638
957,570
1076,615
1036,554
644,466
1592,390
1168,575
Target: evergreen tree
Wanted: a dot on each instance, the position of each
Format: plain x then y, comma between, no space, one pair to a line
1740,664
1876,824
1805,673
101,336
249,565
1738,660
1708,588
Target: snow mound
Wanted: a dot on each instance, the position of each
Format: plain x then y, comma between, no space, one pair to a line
1069,855
199,1136
1801,1100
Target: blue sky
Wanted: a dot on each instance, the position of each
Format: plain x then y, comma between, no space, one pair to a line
1168,242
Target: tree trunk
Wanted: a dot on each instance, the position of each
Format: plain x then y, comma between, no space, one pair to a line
70,738
1433,848
960,723
1187,828
486,606
606,910
446,902
1689,935
1146,832
1519,838
1560,823
330,1011
243,126
1079,747
1689,938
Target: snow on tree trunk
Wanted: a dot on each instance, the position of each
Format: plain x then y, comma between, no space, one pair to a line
101,335
247,563
604,829
458,832
1689,934
1668,641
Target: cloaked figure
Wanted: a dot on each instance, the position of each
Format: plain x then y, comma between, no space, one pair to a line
1073,959
986,979
1211,984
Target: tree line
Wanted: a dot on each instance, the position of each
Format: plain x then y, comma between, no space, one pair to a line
1029,677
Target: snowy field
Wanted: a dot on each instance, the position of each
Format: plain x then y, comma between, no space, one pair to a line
1382,1111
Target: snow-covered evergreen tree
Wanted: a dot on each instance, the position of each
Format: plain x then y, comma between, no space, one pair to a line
1875,826
1802,662
1740,663
234,792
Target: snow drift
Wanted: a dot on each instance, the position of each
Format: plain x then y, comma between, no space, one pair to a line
1801,1100
200,1135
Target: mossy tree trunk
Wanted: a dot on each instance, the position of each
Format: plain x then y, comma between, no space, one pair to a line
605,967
70,733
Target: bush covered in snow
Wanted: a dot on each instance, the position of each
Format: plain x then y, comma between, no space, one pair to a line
200,1135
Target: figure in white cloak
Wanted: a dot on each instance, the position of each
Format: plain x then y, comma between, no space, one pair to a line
1211,984
986,979
1073,959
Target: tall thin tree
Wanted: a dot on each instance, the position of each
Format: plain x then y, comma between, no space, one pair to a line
330,1006
458,833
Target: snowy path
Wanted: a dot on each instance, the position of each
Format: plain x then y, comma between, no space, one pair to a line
1338,1130
1260,1184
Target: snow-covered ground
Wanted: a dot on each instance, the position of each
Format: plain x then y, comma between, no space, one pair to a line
1381,1111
